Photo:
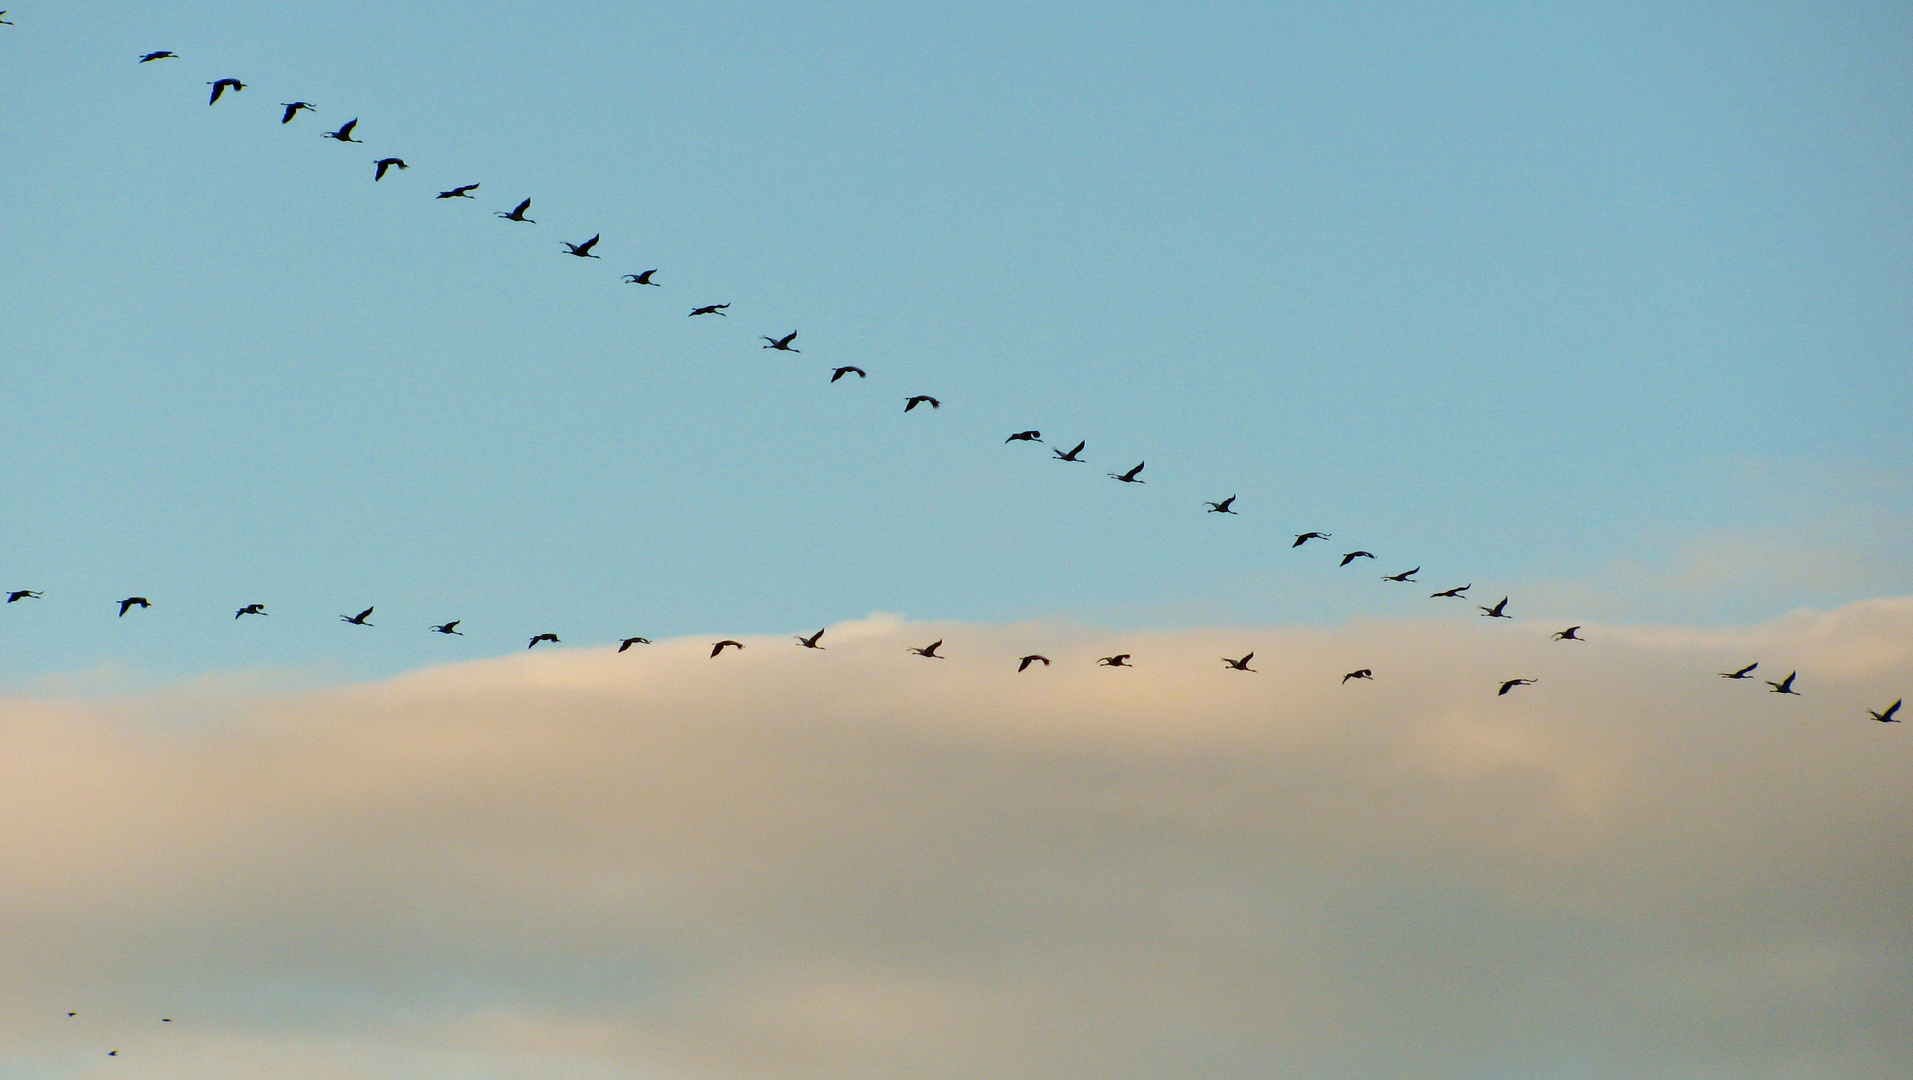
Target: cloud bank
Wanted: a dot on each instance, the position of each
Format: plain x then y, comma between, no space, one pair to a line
859,863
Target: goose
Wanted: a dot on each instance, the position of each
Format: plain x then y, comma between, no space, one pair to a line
220,87
516,213
930,650
782,344
1130,476
1239,665
134,602
720,646
359,619
848,370
811,641
1033,658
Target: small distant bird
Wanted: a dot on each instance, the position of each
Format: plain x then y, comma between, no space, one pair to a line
921,399
163,54
134,602
1496,612
553,638
1784,686
710,309
1353,555
250,609
1405,575
1454,592
1359,673
1240,665
344,134
359,619
294,108
22,594
583,251
1221,507
1130,476
1025,436
721,646
109,1053
641,279
1887,716
1303,538
3,19
1033,658
630,641
930,650
1511,684
1572,633
73,1014
811,641
449,628
843,371
219,87
782,344
1121,659
1071,456
517,213
386,163
1743,673
463,191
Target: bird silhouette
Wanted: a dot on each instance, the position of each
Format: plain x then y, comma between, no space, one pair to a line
782,344
250,609
1025,436
626,643
219,88
583,251
449,628
344,134
1405,575
1121,659
1743,673
383,164
641,279
1452,593
1072,455
709,309
1511,684
1221,507
22,594
1033,658
3,19
1353,555
1572,633
463,191
1303,538
163,54
1887,716
811,641
134,602
1130,476
516,213
930,650
921,399
294,108
1784,686
1359,673
553,638
1495,612
1240,665
720,646
359,619
847,370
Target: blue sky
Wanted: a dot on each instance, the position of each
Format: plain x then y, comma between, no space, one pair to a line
1567,300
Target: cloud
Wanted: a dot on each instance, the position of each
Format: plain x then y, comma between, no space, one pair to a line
859,863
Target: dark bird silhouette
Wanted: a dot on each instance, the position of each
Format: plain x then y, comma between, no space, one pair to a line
1405,575
1496,612
1221,507
1359,673
449,628
782,344
1784,686
1572,633
921,399
1303,538
1353,555
1887,716
709,309
930,650
134,602
220,87
22,594
630,641
463,191
811,641
1072,455
1240,665
641,279
1121,659
1743,673
1453,593
516,213
583,251
553,638
1511,684
73,1014
3,19
1130,476
1033,658
847,370
109,1053
250,609
720,646
163,54
359,619
344,134
386,163
294,108
1025,436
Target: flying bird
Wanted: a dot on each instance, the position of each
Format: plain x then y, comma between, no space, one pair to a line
1784,686
22,594
134,602
1887,716
359,619
1511,684
1130,476
294,108
630,641
811,641
1033,658
553,638
1572,633
1495,612
1453,593
782,344
463,191
344,134
1303,538
930,650
1353,555
449,628
517,213
583,251
163,54
1240,665
1121,659
219,87
710,309
1025,436
1359,673
1071,456
3,19
847,370
1221,507
1405,575
641,279
386,163
720,646
250,609
921,399
1743,673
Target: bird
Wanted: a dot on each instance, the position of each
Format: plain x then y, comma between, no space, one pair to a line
1496,611
626,643
848,370
782,344
22,594
1511,684
553,638
134,602
163,54
1743,673
1025,436
1121,659
1359,673
1130,476
720,646
294,108
1784,686
3,20
583,251
811,641
250,609
386,163
1887,716
359,619
1570,634
109,1053
1454,593
1240,665
1033,658
1353,555
449,628
709,309
641,279
463,191
920,399
1071,456
1405,575
930,650
1303,538
344,134
1221,507
219,87
516,213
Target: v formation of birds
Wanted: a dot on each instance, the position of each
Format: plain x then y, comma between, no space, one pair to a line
228,88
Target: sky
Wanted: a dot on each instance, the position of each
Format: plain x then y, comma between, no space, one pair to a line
1601,307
